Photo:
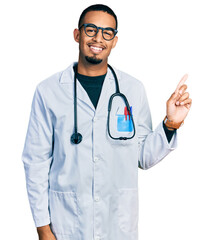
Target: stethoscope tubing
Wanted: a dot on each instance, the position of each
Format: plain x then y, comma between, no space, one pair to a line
76,137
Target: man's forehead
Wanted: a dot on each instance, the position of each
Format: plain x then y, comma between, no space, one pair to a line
100,18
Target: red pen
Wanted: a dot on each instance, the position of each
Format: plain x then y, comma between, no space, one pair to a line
126,112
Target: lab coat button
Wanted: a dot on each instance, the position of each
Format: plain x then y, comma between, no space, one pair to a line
95,119
95,159
97,198
97,238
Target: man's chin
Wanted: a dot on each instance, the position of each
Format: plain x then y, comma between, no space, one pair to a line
93,60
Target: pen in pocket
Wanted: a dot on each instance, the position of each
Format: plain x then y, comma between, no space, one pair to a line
126,112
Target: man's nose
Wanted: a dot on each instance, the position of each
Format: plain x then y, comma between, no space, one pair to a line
99,36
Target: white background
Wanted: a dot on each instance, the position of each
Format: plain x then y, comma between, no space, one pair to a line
159,41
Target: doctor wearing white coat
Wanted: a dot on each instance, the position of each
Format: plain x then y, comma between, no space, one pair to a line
89,191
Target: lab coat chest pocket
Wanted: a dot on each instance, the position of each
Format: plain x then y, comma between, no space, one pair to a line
63,212
120,123
128,209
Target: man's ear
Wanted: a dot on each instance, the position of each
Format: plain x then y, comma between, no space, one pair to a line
76,34
115,40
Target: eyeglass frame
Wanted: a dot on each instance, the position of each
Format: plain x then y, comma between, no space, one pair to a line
107,28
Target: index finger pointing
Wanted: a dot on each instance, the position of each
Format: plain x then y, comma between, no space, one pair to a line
182,81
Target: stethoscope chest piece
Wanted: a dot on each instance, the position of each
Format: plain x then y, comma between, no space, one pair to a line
76,138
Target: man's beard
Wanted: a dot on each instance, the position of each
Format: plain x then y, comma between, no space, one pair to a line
93,60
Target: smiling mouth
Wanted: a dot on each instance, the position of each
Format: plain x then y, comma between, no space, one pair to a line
96,49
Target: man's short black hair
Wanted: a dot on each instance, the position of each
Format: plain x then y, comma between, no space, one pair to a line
97,7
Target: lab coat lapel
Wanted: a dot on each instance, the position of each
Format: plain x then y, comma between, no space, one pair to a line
107,90
83,96
67,79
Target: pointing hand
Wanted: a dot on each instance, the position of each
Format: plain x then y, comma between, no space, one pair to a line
179,103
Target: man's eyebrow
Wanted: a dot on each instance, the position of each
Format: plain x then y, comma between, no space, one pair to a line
99,26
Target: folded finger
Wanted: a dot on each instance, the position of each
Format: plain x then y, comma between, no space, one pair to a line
182,98
174,97
178,94
182,89
186,102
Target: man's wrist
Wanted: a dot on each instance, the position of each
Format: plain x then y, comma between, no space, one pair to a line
168,128
170,125
44,230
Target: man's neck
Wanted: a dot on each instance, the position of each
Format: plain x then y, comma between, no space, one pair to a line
92,70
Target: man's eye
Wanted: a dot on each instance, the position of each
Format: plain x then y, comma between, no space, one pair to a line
90,30
108,33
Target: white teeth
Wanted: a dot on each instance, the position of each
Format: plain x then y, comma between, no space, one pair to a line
96,48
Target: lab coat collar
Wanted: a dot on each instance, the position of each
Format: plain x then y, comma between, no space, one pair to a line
108,87
68,74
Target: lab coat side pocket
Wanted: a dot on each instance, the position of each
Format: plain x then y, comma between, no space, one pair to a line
63,212
128,209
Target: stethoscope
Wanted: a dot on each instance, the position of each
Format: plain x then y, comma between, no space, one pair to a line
77,137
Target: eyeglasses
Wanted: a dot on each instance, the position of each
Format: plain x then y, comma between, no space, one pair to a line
92,30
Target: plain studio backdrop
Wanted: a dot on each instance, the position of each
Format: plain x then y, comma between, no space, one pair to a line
159,41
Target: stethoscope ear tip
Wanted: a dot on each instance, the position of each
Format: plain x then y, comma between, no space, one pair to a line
76,138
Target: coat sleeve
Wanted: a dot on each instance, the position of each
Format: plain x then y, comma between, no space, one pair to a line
37,157
153,145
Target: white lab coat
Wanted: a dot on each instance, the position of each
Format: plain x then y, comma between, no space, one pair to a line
89,190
